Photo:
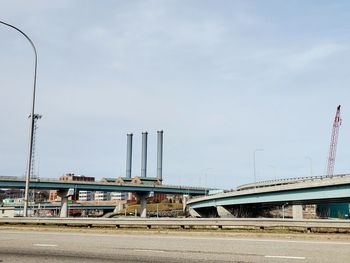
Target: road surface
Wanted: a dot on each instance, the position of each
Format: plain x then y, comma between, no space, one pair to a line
36,246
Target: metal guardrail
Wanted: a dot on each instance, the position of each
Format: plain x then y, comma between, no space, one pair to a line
283,181
189,223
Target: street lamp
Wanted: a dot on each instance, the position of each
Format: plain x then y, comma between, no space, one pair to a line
310,159
32,117
256,150
206,181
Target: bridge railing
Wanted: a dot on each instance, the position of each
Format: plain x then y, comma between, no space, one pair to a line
282,181
43,179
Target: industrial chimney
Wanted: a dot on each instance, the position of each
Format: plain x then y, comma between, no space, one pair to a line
144,155
159,154
128,155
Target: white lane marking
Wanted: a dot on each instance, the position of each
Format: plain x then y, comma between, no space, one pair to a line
232,239
149,250
277,240
45,245
285,257
184,237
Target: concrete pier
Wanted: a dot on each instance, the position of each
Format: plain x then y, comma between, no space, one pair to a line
142,197
63,194
223,212
297,212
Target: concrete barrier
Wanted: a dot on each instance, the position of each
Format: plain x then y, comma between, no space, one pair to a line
189,223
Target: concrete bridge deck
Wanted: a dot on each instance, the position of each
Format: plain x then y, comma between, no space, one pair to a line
48,184
318,190
142,190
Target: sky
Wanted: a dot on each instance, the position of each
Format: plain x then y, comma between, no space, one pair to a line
221,78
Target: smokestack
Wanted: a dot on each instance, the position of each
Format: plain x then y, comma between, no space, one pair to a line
144,155
159,155
128,155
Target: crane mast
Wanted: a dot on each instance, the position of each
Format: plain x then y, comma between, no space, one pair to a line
334,141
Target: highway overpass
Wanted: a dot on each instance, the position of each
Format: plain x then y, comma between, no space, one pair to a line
295,192
63,187
51,184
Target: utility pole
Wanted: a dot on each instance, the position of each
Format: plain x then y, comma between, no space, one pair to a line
32,169
32,117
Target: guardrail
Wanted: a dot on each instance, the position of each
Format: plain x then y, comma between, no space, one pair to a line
55,180
291,180
190,223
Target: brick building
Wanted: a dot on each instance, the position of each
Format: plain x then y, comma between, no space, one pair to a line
69,177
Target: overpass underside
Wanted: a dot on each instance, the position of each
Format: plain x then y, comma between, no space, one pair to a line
257,211
64,188
290,201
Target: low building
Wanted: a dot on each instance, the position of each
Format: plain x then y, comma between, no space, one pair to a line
86,195
73,177
119,195
13,201
144,180
102,196
7,211
53,197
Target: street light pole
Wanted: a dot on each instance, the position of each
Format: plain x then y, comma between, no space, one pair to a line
256,150
206,179
32,117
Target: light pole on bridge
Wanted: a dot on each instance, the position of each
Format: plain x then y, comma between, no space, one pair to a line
32,119
206,179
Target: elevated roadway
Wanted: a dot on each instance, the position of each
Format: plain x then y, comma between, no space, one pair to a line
298,191
51,184
64,187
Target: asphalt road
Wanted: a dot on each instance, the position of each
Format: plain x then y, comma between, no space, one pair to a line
29,246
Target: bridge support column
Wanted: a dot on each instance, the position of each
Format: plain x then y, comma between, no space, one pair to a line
118,208
184,202
142,197
223,212
193,212
64,194
64,202
297,212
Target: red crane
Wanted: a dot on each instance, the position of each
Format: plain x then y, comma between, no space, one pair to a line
334,141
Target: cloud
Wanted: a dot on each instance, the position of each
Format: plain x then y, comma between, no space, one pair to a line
311,57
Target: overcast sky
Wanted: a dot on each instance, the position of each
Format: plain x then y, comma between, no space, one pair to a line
221,78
